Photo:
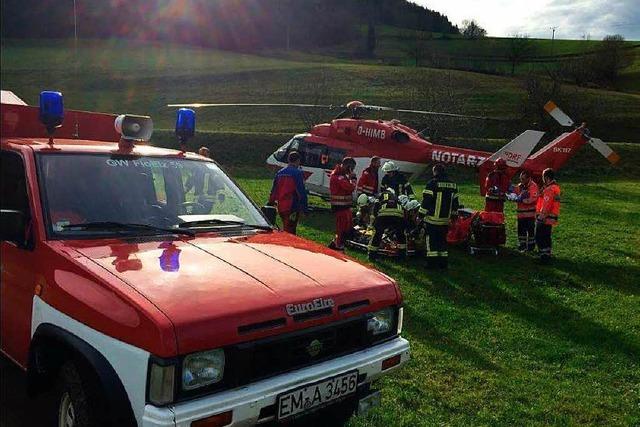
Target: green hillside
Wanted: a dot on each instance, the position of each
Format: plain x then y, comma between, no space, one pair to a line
119,76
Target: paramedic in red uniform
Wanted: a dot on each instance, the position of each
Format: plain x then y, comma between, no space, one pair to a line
368,182
289,194
496,185
547,212
527,192
341,185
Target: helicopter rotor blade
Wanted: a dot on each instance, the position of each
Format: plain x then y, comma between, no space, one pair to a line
606,151
554,111
205,105
428,113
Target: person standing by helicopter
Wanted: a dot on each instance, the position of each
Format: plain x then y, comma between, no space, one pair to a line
526,197
289,194
342,183
439,201
497,185
395,180
368,182
547,212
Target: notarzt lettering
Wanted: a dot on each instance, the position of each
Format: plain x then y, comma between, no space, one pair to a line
457,158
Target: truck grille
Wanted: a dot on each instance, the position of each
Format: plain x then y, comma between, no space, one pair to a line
272,356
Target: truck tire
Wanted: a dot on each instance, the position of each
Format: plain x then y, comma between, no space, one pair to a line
78,401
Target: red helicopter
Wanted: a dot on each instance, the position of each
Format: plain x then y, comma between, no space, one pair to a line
326,144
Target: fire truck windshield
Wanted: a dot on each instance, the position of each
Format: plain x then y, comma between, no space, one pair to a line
158,192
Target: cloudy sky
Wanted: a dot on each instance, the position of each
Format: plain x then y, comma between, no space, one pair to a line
574,19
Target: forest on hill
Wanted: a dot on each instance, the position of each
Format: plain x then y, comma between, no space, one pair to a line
244,25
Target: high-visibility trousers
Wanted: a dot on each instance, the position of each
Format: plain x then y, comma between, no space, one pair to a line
436,245
543,238
526,233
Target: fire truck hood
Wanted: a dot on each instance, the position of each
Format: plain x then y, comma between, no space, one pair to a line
219,290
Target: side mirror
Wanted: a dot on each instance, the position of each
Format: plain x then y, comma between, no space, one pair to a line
271,213
12,224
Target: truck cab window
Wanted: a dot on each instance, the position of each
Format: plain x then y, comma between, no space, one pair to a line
13,187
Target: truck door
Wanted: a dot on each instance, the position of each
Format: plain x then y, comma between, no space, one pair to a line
17,261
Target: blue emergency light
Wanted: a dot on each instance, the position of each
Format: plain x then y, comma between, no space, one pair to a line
51,110
185,124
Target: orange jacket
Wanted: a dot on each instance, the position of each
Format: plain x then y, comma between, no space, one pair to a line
341,188
548,205
527,207
368,182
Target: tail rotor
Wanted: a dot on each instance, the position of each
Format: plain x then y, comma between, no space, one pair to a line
564,120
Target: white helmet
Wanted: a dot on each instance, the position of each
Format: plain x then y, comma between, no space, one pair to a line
363,200
403,199
411,205
389,167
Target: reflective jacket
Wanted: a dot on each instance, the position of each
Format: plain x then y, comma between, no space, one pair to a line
439,200
288,190
341,188
368,182
497,185
387,205
527,207
548,205
398,183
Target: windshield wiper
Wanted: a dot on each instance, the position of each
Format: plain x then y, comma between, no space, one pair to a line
115,226
217,221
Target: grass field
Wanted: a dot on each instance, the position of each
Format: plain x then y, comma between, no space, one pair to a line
504,341
116,76
495,341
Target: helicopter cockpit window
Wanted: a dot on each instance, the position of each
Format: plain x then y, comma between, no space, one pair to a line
283,152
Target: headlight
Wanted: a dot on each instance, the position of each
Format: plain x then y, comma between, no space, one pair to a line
400,320
202,369
381,322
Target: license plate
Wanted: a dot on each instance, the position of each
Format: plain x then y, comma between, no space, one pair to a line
311,396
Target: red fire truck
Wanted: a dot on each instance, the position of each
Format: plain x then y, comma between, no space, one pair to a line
145,288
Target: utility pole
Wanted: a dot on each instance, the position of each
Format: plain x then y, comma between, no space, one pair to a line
553,36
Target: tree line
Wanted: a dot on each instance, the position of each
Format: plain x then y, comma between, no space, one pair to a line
244,25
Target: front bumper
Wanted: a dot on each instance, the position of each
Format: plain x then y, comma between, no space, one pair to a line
247,402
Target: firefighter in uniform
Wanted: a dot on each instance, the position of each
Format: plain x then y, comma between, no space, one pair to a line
527,197
389,215
496,185
395,180
342,183
368,182
547,212
289,194
440,200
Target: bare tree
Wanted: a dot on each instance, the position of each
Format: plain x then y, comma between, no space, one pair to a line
519,48
471,30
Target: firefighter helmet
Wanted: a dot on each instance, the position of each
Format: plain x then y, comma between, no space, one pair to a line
389,167
412,205
403,199
363,200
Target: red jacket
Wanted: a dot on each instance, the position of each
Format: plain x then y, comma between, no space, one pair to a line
368,182
548,205
527,207
341,187
497,179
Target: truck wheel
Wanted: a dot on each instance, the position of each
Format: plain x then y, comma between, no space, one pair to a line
78,399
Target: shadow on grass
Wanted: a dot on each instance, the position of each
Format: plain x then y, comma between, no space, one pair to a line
498,290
